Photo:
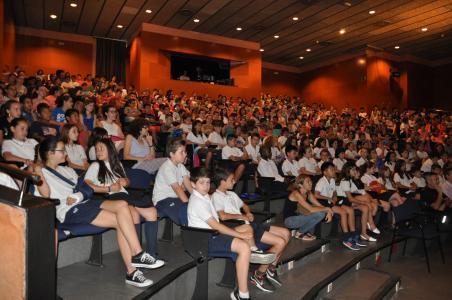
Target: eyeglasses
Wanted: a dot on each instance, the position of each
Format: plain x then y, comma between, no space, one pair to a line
61,150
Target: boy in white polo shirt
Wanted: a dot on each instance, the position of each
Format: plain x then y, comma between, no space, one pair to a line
325,192
290,166
202,214
171,183
228,206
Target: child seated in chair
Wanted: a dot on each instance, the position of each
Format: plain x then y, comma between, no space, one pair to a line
171,183
228,206
202,214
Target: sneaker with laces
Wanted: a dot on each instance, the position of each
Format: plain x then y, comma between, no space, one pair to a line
147,261
235,295
272,276
358,242
261,282
350,244
262,258
136,278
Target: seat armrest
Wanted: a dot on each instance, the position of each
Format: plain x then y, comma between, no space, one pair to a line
196,241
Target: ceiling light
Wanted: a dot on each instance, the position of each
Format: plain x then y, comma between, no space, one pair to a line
346,3
396,47
196,20
148,11
276,36
361,61
53,16
301,57
342,31
238,28
424,29
295,18
119,26
442,35
73,4
261,50
308,50
371,12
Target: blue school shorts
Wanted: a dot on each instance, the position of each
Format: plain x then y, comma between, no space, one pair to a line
174,209
83,212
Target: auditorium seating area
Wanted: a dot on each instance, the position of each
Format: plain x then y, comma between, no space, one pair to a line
380,179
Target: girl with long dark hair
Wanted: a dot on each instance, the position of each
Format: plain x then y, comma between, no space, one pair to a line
106,176
73,209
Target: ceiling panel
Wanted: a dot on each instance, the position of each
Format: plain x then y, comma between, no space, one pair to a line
395,22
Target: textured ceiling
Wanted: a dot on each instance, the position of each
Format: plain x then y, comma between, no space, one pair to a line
395,22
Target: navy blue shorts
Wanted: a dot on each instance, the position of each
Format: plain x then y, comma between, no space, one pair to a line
83,213
258,230
220,245
174,209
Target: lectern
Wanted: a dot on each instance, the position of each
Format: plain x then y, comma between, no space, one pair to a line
27,242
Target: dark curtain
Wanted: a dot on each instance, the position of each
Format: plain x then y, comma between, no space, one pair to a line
111,59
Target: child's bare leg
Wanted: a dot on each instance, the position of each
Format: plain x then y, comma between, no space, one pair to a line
242,263
246,229
341,212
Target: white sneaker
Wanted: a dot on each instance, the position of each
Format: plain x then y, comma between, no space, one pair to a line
375,230
368,238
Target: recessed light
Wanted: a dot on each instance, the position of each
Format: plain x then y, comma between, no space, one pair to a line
148,11
196,20
342,31
396,47
295,18
308,50
119,26
371,12
442,35
73,4
53,16
276,36
261,50
301,57
424,29
238,28
361,61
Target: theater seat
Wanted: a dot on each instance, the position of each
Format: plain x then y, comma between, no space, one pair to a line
66,231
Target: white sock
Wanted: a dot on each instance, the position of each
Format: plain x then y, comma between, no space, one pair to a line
244,295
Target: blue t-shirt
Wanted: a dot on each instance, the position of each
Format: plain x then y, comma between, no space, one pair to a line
58,115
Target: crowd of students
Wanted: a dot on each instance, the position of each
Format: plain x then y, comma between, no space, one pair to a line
65,127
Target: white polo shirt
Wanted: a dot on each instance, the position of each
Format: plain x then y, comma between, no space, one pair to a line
76,153
387,184
326,188
93,172
268,168
308,163
228,202
200,210
168,174
361,161
419,181
216,138
292,167
403,180
23,149
228,151
367,179
253,153
7,181
201,139
339,163
348,186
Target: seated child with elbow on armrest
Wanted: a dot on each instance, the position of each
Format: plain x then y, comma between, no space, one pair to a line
202,214
228,206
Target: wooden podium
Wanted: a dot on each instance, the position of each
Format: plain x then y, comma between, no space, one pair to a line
27,243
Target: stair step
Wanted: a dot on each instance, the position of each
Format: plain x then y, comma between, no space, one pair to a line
364,284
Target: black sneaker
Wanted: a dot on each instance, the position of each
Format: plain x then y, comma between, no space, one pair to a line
359,242
145,260
273,277
261,282
235,295
137,279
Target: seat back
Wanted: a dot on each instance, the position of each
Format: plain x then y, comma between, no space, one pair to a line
139,179
406,211
196,241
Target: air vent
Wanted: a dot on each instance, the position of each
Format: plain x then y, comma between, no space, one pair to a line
259,27
186,13
325,43
382,23
129,10
68,24
309,2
